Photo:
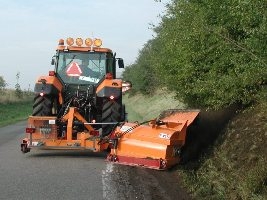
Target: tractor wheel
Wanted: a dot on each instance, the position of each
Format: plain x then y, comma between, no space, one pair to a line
42,106
111,112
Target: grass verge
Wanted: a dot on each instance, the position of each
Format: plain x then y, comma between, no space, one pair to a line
13,112
234,166
14,106
142,108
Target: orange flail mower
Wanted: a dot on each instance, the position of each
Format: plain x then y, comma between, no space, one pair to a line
79,106
157,144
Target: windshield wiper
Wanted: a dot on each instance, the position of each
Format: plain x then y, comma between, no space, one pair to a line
70,61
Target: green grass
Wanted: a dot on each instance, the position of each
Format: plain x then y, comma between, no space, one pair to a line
141,108
13,112
14,108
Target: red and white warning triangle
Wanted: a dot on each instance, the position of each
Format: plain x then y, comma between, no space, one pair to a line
74,69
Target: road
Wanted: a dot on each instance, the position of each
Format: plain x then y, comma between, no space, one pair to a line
75,175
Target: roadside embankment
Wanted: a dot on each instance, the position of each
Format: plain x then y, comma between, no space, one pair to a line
142,108
225,154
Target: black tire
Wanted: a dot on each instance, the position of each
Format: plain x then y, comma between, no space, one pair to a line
42,106
111,112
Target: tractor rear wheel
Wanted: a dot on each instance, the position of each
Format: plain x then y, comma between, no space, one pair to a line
42,106
111,112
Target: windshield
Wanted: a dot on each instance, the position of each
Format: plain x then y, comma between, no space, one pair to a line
81,67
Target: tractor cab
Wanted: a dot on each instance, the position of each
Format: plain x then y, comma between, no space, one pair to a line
83,67
85,63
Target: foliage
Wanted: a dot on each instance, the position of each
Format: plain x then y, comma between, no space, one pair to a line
19,92
9,96
211,53
3,83
142,73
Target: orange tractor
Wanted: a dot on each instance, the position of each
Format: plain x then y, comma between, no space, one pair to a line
79,106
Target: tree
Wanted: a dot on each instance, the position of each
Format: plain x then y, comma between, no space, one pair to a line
3,83
19,92
142,74
224,54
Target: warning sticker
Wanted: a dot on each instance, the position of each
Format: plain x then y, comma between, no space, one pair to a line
164,136
74,69
126,128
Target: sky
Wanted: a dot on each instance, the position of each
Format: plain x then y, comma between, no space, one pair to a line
30,30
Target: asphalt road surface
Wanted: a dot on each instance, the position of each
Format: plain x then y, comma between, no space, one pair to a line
75,175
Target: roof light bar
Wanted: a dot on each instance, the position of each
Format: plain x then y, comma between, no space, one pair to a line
79,42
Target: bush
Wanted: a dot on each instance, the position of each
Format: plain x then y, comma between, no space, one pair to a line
212,54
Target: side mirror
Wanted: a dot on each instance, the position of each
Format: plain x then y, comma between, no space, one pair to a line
53,60
120,63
